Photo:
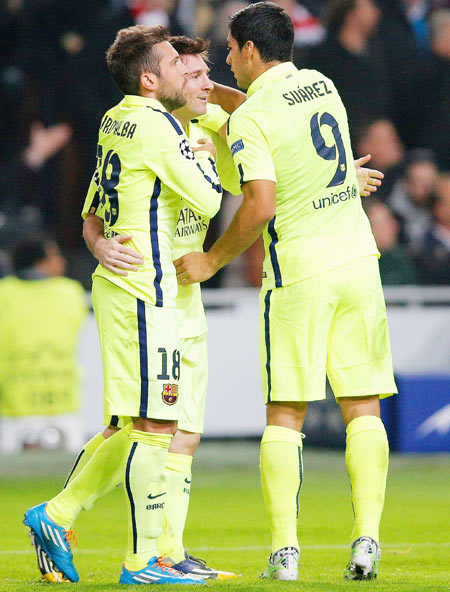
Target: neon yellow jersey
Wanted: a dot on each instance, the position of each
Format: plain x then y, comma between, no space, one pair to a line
40,322
293,130
192,227
145,168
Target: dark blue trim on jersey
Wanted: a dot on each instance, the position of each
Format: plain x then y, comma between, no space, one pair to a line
172,120
130,495
273,254
216,186
300,474
213,165
143,360
75,464
241,174
155,242
94,203
267,342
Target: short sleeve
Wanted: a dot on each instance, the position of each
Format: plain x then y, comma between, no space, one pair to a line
249,148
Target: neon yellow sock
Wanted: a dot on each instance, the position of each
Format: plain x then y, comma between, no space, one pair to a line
367,458
281,478
84,456
101,474
179,474
146,489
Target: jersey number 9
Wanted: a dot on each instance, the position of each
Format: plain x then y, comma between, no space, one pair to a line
329,152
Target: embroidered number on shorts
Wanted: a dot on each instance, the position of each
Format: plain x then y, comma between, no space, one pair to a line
175,365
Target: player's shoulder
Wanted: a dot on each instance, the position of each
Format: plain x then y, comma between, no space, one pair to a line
248,109
158,118
249,116
311,75
214,118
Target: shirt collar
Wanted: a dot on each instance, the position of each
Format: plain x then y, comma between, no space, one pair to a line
137,100
269,75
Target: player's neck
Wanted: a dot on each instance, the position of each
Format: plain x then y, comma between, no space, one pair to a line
260,67
184,116
148,94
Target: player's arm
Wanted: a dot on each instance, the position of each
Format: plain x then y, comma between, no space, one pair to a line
225,96
368,179
111,253
252,157
193,177
256,210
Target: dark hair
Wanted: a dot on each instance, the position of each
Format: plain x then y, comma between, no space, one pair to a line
29,252
186,46
268,26
133,53
334,14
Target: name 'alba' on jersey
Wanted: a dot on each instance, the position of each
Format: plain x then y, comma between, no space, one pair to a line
146,171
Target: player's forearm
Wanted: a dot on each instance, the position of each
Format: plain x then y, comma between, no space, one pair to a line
225,96
93,232
246,226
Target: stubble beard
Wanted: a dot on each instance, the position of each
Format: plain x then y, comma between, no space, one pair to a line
171,98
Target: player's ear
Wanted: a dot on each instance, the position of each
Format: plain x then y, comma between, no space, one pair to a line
249,49
149,81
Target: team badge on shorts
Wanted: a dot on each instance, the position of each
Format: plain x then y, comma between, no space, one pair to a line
186,150
170,394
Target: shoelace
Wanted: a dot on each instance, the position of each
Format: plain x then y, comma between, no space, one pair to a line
202,562
71,537
161,562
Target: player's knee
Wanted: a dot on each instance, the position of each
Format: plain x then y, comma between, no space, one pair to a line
185,442
286,414
158,426
352,407
109,431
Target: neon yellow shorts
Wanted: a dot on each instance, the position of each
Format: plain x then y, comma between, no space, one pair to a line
140,352
332,324
192,385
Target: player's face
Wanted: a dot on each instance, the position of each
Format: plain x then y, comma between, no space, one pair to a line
172,77
237,63
197,86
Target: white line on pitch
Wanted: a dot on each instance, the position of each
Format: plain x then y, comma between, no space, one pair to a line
248,548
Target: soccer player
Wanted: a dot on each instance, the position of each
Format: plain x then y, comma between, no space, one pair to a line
145,165
202,122
322,308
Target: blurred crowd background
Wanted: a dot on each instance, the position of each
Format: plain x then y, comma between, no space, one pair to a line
390,60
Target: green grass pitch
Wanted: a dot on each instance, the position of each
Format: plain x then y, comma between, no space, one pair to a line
227,525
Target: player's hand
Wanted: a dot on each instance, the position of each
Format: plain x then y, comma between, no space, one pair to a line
194,267
114,255
368,179
205,144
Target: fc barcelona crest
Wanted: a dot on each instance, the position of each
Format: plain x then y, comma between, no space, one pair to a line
170,394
